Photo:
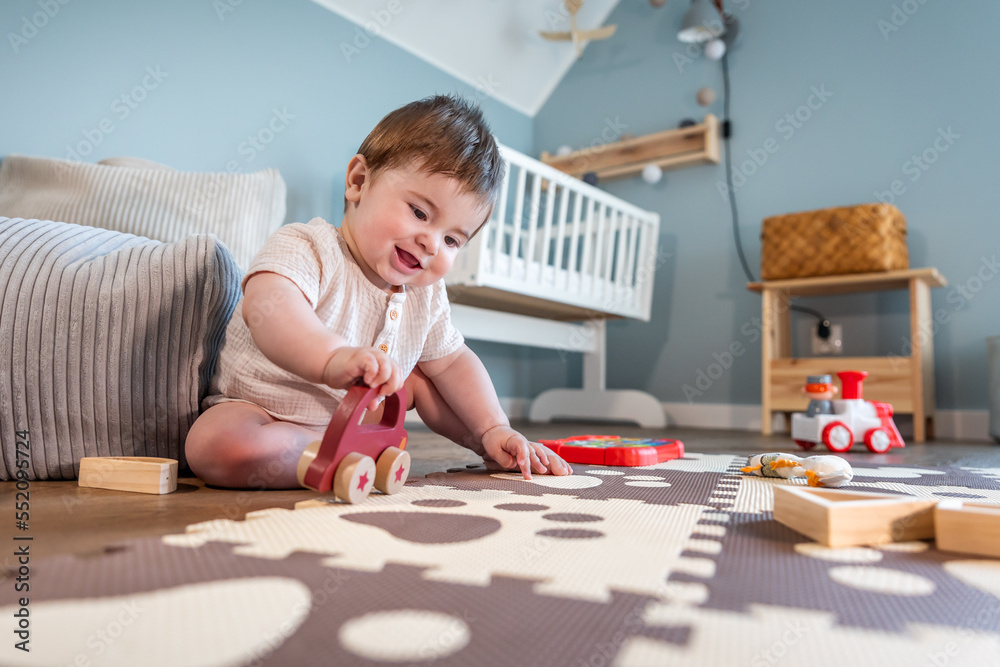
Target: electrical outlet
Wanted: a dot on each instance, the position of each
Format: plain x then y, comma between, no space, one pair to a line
832,345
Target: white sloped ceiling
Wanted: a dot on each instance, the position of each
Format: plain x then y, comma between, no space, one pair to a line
493,45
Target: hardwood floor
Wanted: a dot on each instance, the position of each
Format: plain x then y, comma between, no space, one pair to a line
67,519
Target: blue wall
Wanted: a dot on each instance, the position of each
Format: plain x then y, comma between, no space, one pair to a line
891,83
208,80
222,78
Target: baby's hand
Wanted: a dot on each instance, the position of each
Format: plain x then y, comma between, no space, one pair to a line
368,364
506,449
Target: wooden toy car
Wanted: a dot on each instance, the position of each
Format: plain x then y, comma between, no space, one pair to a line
345,459
853,420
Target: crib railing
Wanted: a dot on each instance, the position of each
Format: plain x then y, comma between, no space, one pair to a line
556,239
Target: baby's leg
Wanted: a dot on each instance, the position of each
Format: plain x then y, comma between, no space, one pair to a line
239,445
436,413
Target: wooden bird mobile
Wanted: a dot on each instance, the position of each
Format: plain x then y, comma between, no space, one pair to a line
574,34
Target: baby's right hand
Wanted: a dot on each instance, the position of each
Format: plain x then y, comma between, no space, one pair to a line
368,364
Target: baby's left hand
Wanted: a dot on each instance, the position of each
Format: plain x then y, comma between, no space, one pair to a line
506,449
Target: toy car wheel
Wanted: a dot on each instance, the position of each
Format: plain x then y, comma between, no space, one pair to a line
805,444
354,478
877,440
392,469
305,460
838,437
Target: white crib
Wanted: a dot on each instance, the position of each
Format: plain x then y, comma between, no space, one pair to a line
558,258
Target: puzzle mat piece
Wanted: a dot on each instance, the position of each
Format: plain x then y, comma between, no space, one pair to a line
118,629
884,588
988,473
930,491
762,562
575,547
768,635
751,494
977,484
970,478
690,462
220,608
693,479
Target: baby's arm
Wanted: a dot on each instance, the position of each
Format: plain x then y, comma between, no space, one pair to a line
286,329
464,384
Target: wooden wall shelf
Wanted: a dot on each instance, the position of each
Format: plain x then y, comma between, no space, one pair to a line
670,149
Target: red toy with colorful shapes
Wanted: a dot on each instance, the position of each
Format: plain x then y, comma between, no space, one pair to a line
345,459
614,450
853,420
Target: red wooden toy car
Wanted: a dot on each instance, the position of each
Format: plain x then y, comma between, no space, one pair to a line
345,460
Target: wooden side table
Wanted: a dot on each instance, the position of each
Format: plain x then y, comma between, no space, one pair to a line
905,381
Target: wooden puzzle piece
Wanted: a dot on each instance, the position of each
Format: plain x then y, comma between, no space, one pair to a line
970,528
847,518
614,450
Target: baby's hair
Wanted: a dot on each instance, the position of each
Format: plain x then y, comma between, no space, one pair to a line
444,135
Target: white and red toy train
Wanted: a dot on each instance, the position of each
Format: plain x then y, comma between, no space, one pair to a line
853,420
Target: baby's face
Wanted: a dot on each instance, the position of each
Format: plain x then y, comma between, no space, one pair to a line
408,226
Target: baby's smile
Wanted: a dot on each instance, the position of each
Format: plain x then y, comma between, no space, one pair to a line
407,259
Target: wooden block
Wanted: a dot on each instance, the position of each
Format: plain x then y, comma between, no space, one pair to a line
970,528
839,518
139,474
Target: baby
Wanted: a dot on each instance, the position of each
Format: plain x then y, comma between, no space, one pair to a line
325,307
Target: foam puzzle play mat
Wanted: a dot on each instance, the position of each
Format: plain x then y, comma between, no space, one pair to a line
677,563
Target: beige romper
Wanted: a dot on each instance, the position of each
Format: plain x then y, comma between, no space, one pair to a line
410,326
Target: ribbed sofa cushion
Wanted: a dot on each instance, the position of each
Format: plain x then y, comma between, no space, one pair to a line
147,199
107,341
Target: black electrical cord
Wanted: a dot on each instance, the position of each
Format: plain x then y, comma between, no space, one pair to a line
823,328
726,132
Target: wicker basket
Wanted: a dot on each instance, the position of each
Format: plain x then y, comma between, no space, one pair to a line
834,241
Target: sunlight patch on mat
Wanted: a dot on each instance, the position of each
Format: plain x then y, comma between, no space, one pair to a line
768,635
991,473
755,494
930,492
981,574
882,580
711,547
694,462
232,622
914,547
551,481
841,555
405,635
895,473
